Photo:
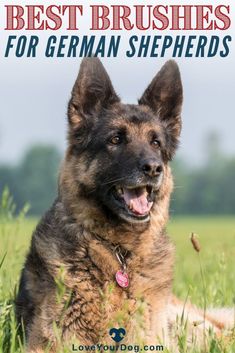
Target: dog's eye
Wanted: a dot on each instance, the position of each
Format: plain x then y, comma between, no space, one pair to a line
156,143
115,140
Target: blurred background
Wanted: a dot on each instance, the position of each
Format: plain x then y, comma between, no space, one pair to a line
34,93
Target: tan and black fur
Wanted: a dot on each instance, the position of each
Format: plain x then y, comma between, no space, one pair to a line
110,145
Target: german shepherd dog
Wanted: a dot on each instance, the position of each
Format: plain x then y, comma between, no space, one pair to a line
102,244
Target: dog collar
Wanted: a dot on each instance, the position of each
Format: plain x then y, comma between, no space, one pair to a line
121,276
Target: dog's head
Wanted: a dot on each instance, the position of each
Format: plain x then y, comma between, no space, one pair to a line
120,152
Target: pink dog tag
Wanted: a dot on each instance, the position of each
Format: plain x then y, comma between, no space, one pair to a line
122,279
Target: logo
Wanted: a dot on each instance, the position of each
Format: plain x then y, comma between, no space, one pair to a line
117,334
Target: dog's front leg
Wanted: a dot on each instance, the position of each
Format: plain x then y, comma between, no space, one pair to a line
156,319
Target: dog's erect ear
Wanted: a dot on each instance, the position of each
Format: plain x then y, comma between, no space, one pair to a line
165,96
92,91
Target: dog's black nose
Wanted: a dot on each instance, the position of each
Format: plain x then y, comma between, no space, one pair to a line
151,167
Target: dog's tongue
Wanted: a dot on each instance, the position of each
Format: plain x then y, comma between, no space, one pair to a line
136,199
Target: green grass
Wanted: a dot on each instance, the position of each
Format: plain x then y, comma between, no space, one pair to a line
14,245
217,239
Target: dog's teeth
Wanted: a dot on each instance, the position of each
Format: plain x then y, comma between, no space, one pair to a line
131,205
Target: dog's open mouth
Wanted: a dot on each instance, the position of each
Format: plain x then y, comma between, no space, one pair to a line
136,201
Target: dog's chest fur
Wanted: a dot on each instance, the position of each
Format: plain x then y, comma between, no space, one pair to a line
93,302
97,302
